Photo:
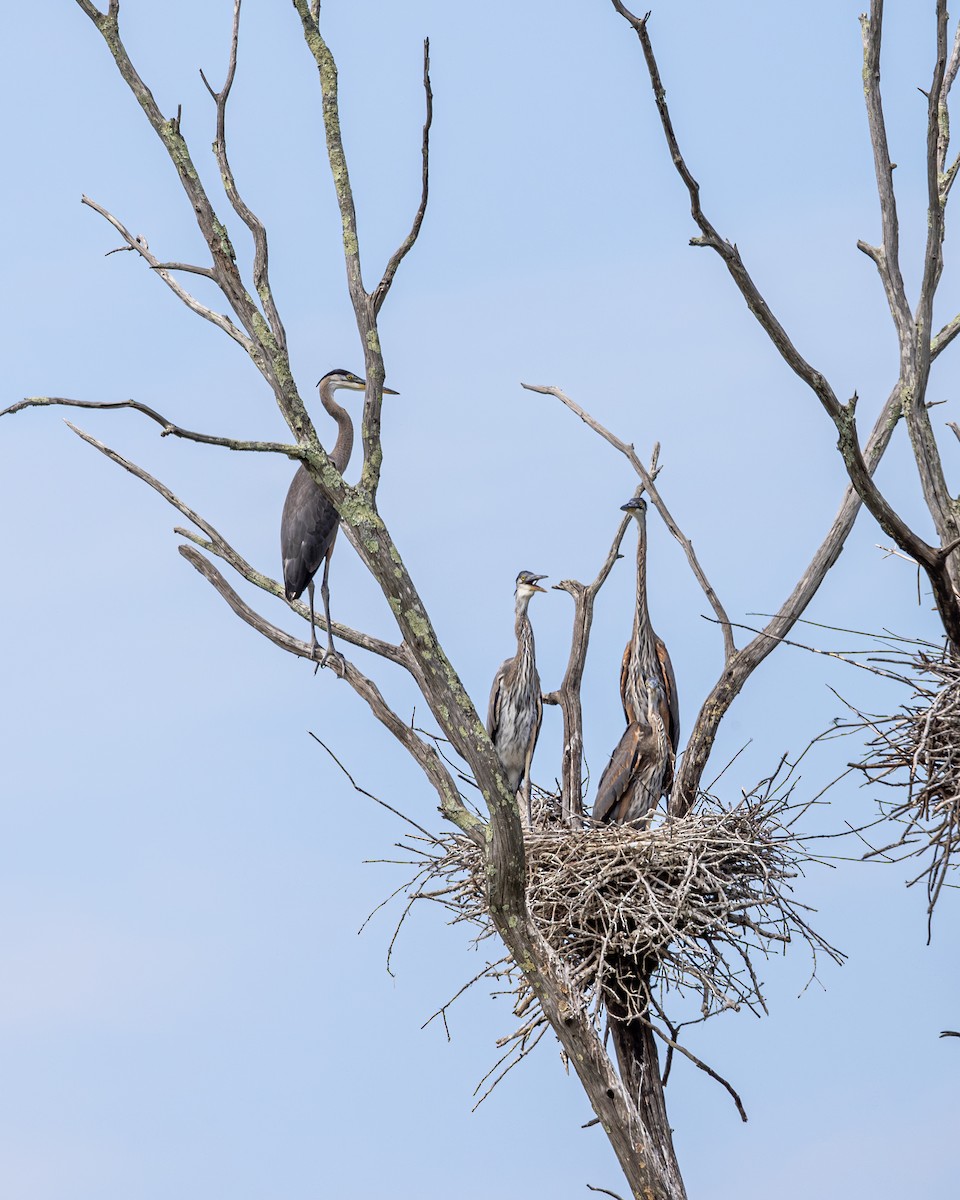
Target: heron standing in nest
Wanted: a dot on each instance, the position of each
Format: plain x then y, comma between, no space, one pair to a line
640,770
308,528
516,708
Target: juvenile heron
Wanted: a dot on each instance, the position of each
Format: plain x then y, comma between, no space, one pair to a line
647,685
639,769
308,528
516,709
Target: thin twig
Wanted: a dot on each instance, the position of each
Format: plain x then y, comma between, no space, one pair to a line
647,477
168,428
383,287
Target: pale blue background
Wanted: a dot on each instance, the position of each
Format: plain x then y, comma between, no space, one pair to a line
185,1007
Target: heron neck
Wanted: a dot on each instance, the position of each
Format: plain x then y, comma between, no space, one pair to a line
340,454
524,629
643,639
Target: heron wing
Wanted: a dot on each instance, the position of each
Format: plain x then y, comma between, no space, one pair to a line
630,716
308,528
620,772
496,692
671,715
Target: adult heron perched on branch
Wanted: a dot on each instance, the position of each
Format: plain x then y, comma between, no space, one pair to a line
641,767
516,708
308,528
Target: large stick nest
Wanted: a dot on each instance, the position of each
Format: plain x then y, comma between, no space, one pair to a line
916,752
635,915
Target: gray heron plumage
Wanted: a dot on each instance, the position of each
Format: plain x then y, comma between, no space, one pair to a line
516,707
308,527
636,776
644,759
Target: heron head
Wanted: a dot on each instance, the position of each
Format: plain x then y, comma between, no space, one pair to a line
636,506
341,378
527,583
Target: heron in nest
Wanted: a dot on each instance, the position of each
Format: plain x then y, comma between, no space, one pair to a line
308,528
516,708
640,770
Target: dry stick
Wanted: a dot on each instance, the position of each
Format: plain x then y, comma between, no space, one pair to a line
380,291
363,791
163,272
265,353
842,415
424,755
945,176
568,695
674,1045
261,275
168,427
648,478
886,257
913,329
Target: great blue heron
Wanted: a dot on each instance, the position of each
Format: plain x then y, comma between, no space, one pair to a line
639,769
516,709
648,690
309,524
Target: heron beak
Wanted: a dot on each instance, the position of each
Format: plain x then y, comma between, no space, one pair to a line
390,392
534,580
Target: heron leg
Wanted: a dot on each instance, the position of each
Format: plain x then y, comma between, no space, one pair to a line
330,652
313,621
526,809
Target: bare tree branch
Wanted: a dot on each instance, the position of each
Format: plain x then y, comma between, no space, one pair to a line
168,427
887,257
163,270
912,384
568,695
730,683
261,275
261,344
426,757
650,487
727,251
380,292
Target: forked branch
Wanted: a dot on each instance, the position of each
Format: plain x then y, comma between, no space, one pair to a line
647,478
261,274
451,804
168,428
912,386
164,271
568,694
380,292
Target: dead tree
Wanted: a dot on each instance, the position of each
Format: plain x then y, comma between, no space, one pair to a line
508,882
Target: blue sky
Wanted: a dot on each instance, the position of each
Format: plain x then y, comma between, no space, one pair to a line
185,1006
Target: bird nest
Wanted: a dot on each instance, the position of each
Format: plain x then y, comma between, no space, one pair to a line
637,915
915,752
